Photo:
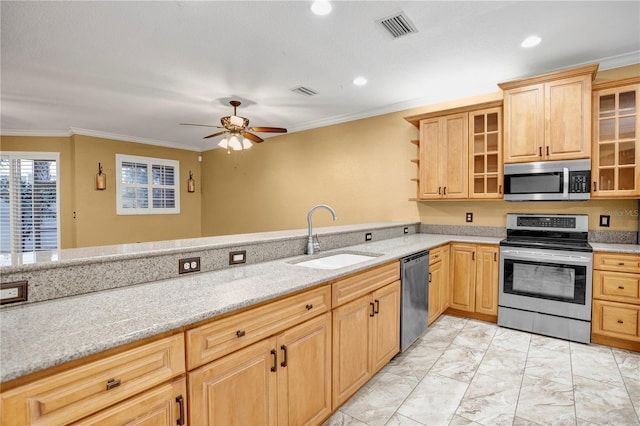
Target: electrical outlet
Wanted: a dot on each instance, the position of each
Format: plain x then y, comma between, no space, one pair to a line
469,217
406,230
605,220
368,237
191,264
13,292
237,257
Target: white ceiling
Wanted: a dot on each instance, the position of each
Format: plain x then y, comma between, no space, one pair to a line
134,70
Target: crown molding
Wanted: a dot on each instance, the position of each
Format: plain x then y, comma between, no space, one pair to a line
37,133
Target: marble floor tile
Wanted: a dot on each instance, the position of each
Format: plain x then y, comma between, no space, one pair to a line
475,334
416,361
513,340
339,418
549,364
490,401
595,362
503,363
546,402
633,389
461,421
458,362
377,404
400,420
603,403
628,362
551,343
434,401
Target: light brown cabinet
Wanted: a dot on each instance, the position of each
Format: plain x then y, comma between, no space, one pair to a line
438,282
443,157
616,300
85,390
474,280
280,380
485,153
616,150
547,117
366,327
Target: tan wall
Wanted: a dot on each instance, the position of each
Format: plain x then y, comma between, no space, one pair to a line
96,221
360,168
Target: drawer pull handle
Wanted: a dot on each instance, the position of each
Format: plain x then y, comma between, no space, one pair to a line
113,383
429,276
180,401
621,287
539,151
377,309
373,310
240,333
284,354
275,360
620,263
620,322
309,306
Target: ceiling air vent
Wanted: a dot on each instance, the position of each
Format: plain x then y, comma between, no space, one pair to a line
397,25
304,91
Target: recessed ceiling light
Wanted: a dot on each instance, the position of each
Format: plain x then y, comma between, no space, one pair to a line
321,7
531,41
359,81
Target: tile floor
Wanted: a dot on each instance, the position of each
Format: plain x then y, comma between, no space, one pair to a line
468,372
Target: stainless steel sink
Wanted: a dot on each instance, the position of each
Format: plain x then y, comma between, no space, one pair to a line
337,260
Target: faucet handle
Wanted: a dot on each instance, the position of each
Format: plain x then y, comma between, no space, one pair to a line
316,243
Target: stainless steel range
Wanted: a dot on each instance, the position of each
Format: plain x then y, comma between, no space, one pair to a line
545,276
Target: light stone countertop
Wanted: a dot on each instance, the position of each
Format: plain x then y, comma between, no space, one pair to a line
42,335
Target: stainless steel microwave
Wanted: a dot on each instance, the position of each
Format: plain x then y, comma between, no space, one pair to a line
548,181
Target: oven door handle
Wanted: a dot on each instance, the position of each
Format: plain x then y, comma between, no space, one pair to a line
565,189
532,256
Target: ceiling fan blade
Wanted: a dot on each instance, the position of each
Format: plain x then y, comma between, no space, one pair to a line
269,129
202,125
214,135
251,136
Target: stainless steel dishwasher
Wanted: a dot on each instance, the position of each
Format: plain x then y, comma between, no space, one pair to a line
414,298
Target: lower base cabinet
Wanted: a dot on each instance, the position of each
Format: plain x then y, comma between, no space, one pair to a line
285,379
438,282
366,335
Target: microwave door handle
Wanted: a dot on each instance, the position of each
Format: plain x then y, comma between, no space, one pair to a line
565,190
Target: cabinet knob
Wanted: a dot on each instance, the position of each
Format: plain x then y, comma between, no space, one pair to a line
240,333
620,263
621,287
309,306
113,383
620,322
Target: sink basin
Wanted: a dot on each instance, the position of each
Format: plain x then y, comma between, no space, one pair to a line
335,261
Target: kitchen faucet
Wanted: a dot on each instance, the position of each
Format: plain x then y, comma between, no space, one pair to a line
311,246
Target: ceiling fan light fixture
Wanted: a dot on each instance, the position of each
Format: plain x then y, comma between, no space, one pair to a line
224,143
236,121
246,143
234,143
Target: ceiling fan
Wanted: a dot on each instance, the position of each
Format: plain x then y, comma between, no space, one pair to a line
236,127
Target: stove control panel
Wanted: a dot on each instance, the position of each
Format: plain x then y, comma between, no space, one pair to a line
546,222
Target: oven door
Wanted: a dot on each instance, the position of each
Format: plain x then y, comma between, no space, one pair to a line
554,282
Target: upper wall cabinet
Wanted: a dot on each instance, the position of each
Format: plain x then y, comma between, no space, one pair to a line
547,117
616,152
460,152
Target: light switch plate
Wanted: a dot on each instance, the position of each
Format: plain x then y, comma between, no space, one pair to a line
237,257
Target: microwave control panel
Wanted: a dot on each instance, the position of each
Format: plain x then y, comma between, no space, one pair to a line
579,181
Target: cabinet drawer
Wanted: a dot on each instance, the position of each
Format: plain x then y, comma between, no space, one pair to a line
616,320
616,286
617,262
436,255
76,393
357,285
226,335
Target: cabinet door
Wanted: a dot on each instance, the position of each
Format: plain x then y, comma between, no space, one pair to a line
485,153
430,159
161,406
239,389
616,150
385,332
487,280
435,288
350,337
455,170
304,374
462,275
524,124
444,280
567,112
618,320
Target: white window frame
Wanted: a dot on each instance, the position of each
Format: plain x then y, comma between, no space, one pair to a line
150,162
33,155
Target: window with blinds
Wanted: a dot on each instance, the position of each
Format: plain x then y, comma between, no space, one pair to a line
147,185
29,202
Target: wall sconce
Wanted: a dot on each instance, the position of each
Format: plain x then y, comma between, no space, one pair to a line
101,179
191,184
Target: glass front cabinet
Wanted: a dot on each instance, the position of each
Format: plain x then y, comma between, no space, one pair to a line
616,152
485,153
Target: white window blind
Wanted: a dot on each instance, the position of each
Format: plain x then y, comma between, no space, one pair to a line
29,202
147,185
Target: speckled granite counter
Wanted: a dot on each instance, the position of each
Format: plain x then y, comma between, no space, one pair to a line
616,248
41,335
